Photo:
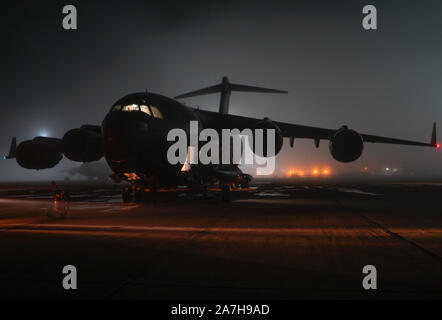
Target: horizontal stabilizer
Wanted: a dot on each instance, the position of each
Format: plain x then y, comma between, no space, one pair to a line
226,88
201,92
243,88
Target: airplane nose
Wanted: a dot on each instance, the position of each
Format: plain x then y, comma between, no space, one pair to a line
121,134
114,136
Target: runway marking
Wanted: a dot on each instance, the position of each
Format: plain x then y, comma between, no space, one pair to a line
271,194
350,190
337,231
395,234
398,236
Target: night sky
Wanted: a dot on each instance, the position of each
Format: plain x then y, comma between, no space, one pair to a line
384,82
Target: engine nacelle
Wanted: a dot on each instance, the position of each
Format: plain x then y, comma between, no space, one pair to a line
346,145
39,153
83,144
267,124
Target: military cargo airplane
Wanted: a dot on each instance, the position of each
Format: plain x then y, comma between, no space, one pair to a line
133,140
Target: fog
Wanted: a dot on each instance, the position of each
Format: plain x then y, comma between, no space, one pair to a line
384,82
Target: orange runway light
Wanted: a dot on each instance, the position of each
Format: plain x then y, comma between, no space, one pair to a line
326,172
315,172
294,172
438,145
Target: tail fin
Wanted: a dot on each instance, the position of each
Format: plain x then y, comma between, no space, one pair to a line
226,88
12,149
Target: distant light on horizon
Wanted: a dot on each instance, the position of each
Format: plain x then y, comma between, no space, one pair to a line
43,134
313,172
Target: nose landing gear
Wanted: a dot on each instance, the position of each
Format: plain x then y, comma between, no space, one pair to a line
137,193
127,195
133,193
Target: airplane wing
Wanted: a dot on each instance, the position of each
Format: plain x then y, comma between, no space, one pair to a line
224,120
227,121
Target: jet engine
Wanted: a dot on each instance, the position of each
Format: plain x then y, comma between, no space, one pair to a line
267,124
39,153
346,145
83,144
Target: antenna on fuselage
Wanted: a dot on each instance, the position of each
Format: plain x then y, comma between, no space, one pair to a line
226,88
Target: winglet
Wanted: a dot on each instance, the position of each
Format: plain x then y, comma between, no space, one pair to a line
12,149
434,137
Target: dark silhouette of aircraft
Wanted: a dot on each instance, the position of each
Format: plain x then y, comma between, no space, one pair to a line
133,140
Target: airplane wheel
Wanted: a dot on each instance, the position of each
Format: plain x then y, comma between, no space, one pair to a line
139,194
127,197
226,193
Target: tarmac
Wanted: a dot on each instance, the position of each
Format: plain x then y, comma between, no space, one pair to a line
277,240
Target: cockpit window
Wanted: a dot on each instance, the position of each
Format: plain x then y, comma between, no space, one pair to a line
131,107
150,110
145,109
156,112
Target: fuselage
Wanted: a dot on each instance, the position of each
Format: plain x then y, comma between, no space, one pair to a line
135,136
149,136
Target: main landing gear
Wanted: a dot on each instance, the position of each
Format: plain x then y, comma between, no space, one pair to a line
136,193
225,193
